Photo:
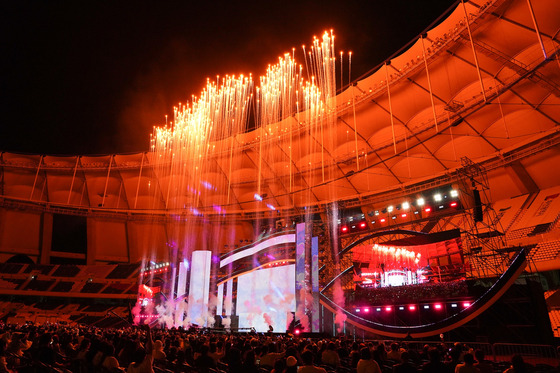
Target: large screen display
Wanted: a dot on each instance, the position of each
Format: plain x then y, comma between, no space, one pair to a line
266,297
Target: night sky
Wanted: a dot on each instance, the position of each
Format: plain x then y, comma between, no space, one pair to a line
94,77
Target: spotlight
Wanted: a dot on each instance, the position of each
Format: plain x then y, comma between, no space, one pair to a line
401,308
363,224
437,306
403,216
344,229
454,193
437,197
412,307
405,205
454,305
382,220
426,307
466,304
366,310
388,309
390,208
427,209
453,204
420,202
357,310
378,309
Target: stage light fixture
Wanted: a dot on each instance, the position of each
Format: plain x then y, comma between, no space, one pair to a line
454,193
426,307
437,197
401,308
466,304
357,310
390,208
420,202
453,305
366,310
394,217
403,216
453,204
427,209
363,224
437,306
441,206
405,205
344,229
388,309
378,309
376,212
382,220
412,307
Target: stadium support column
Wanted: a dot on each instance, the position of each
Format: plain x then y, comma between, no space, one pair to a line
46,237
199,287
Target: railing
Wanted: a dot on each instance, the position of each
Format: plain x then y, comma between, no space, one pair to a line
501,351
498,351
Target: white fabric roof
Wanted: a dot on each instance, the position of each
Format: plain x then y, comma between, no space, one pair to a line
507,120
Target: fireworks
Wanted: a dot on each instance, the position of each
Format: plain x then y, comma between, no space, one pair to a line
202,138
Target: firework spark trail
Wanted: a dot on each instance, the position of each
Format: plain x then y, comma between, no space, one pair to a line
202,138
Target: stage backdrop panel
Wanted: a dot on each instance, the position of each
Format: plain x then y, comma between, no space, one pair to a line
266,296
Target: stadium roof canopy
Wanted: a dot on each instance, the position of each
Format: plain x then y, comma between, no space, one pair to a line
483,84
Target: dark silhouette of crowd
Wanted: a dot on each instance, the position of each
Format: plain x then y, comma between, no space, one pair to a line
86,349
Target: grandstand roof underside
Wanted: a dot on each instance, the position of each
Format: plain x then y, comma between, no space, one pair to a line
496,102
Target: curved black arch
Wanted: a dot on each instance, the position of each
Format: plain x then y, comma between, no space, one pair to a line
379,234
419,331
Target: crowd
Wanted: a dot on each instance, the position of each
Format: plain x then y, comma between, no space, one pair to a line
86,349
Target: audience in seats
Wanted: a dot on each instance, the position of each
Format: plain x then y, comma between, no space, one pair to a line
87,349
330,355
308,367
467,366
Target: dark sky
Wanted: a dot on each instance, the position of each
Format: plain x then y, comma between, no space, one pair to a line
93,77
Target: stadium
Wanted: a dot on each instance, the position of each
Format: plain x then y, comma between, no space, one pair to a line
418,202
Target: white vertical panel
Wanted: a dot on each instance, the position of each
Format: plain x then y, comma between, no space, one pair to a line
199,287
220,299
182,283
229,298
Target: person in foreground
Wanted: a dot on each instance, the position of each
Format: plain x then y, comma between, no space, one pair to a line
142,359
308,367
366,364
